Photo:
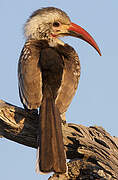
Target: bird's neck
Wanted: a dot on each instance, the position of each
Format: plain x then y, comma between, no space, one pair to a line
53,42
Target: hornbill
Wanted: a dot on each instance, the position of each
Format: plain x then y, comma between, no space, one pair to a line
48,76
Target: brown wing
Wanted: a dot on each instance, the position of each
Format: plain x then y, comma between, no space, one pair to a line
70,78
29,76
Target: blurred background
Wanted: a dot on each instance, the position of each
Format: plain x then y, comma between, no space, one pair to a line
96,100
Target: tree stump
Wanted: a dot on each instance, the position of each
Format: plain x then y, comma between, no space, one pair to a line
91,151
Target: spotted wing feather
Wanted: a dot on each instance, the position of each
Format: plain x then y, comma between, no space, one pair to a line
29,76
70,78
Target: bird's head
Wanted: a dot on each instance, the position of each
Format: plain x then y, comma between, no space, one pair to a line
51,23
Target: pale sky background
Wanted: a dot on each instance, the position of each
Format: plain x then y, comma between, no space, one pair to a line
96,100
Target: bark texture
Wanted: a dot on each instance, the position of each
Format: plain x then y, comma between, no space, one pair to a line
92,152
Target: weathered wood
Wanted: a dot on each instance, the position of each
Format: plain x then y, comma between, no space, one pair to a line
18,125
93,153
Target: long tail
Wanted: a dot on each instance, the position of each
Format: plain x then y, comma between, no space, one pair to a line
51,147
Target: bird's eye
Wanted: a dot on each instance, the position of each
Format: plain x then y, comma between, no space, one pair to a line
56,24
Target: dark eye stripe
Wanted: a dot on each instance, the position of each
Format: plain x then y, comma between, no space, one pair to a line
56,24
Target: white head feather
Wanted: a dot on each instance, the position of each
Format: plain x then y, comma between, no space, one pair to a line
39,23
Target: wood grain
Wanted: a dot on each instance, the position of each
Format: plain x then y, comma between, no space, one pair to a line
92,152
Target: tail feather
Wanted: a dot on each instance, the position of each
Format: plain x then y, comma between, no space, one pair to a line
51,155
59,161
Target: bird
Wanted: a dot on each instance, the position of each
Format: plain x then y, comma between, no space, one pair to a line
48,77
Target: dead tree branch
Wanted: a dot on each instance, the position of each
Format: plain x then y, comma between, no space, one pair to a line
92,152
